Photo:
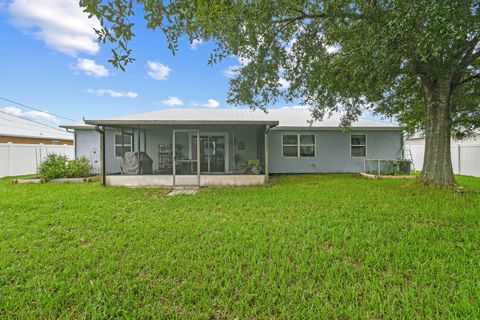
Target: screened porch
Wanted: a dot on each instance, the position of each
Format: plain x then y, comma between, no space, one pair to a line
184,155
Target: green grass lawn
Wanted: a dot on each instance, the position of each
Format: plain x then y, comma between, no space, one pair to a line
312,246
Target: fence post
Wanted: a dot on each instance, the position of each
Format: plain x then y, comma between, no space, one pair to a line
9,158
378,165
459,155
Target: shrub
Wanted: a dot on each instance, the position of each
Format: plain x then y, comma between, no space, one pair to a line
55,166
58,166
397,167
255,163
78,168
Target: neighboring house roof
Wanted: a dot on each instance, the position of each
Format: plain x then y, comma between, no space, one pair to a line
283,118
14,126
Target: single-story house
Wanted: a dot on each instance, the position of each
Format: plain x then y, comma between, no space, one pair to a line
172,147
18,130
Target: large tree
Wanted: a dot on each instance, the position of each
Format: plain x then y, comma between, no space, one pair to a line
416,60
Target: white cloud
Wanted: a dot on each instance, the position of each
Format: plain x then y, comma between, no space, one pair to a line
172,102
113,94
157,70
91,68
244,60
32,115
231,71
195,43
211,103
284,83
61,24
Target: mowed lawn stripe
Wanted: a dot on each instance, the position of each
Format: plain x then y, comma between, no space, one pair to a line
305,246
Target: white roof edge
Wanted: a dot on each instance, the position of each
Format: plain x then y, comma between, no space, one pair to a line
335,128
186,122
78,126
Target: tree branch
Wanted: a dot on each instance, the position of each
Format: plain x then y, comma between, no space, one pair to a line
475,76
470,55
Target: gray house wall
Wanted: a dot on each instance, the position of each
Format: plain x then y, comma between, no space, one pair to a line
332,147
332,151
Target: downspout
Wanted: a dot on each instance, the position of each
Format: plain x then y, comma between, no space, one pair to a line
102,152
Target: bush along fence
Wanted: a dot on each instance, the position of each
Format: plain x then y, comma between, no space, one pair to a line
58,168
21,159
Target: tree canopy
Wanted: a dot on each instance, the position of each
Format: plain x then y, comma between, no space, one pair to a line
394,57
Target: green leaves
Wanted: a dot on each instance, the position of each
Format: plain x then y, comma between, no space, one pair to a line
346,55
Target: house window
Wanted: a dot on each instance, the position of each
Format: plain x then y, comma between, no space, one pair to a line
120,148
358,145
298,145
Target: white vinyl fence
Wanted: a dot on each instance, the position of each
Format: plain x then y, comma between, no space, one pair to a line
465,158
18,159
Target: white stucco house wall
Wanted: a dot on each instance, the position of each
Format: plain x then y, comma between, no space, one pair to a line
280,141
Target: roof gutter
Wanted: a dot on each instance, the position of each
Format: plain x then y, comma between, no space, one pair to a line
181,122
335,128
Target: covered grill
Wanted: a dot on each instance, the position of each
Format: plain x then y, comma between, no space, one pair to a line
133,164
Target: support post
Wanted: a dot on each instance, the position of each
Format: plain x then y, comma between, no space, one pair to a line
102,153
198,157
173,157
378,166
145,140
267,168
123,142
138,148
233,151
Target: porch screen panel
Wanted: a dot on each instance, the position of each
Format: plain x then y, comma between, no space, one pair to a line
185,154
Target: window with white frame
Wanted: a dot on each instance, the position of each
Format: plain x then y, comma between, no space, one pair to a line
126,146
298,145
358,145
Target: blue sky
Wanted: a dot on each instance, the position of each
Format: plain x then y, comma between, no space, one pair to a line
52,62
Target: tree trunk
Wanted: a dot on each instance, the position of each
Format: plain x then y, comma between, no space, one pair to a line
437,162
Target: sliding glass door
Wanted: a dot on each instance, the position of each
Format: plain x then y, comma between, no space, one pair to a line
213,152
